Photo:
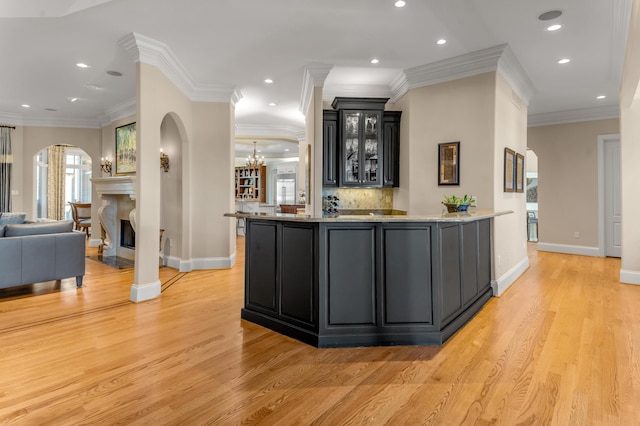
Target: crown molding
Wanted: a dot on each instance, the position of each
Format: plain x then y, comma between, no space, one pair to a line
498,58
620,22
270,131
356,91
122,110
574,116
49,121
314,76
153,52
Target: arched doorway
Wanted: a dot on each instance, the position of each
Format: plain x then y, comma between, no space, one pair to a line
63,175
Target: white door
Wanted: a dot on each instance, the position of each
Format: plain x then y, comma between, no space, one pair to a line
612,204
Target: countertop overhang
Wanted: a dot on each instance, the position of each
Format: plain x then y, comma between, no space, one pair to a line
442,217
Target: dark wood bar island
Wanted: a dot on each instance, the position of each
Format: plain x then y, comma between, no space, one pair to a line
367,280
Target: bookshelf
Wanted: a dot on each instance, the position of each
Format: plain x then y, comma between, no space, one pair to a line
251,183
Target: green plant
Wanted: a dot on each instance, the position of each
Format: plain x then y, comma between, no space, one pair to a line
457,201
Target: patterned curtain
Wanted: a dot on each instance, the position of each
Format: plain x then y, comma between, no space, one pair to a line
6,161
55,185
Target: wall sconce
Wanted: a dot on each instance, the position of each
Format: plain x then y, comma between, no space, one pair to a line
164,161
105,165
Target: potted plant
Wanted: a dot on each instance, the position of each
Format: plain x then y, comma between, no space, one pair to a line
457,204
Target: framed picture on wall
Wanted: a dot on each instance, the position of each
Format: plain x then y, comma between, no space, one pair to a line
519,173
126,149
449,163
509,170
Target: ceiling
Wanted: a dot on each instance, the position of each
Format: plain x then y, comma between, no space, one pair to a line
240,43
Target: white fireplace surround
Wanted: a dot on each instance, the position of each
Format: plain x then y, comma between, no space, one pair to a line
117,195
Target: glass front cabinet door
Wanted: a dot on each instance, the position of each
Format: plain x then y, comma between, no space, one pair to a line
361,148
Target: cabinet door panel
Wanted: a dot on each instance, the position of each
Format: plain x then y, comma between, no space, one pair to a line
329,146
450,270
407,276
484,254
261,268
469,262
297,273
370,153
351,147
351,276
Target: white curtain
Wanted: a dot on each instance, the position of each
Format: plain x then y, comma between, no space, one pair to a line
6,161
57,169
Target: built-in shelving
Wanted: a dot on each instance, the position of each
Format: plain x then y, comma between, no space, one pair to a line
251,183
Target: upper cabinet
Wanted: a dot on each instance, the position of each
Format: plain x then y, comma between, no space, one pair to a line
358,135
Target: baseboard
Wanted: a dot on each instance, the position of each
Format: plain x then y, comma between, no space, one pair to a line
568,249
629,277
504,282
142,292
94,242
200,263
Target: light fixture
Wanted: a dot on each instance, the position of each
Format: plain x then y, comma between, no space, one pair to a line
375,61
441,41
164,161
272,104
255,161
114,73
82,65
601,97
105,165
554,27
92,87
72,99
268,81
25,106
400,3
564,61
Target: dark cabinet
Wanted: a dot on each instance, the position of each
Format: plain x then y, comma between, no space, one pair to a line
329,148
391,146
357,136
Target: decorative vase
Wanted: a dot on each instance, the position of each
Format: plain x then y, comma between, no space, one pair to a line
463,207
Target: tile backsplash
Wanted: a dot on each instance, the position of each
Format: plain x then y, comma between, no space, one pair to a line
362,198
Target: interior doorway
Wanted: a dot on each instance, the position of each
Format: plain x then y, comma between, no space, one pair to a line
609,196
531,162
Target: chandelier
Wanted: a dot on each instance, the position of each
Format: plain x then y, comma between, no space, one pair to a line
254,160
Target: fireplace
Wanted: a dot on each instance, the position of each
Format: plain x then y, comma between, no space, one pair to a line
127,235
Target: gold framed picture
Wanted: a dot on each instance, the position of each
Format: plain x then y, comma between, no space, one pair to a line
449,163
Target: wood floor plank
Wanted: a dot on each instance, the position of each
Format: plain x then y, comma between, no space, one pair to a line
560,347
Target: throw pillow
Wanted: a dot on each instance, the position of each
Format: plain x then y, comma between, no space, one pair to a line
12,217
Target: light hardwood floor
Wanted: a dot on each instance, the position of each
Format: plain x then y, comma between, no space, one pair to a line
560,347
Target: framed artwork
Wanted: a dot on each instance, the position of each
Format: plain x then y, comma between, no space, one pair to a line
509,170
126,149
519,173
449,163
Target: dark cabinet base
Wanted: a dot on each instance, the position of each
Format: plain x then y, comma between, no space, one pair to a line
366,284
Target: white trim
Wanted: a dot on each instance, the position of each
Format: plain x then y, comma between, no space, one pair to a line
329,93
601,214
314,76
142,292
568,249
270,130
504,282
95,242
116,112
574,115
204,263
498,58
629,277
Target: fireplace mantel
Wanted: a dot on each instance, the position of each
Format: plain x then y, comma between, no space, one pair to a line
117,195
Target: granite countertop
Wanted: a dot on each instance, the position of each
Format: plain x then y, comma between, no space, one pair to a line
442,217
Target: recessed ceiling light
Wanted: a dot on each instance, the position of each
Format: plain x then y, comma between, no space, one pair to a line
25,106
93,87
72,99
82,65
268,81
564,61
554,27
552,14
272,104
50,109
115,73
601,97
375,61
286,150
441,41
400,3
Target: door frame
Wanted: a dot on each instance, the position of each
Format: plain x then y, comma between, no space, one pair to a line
601,214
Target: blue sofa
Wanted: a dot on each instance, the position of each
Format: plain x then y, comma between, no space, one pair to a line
38,252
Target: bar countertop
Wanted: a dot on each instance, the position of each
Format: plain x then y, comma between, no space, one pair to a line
442,217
